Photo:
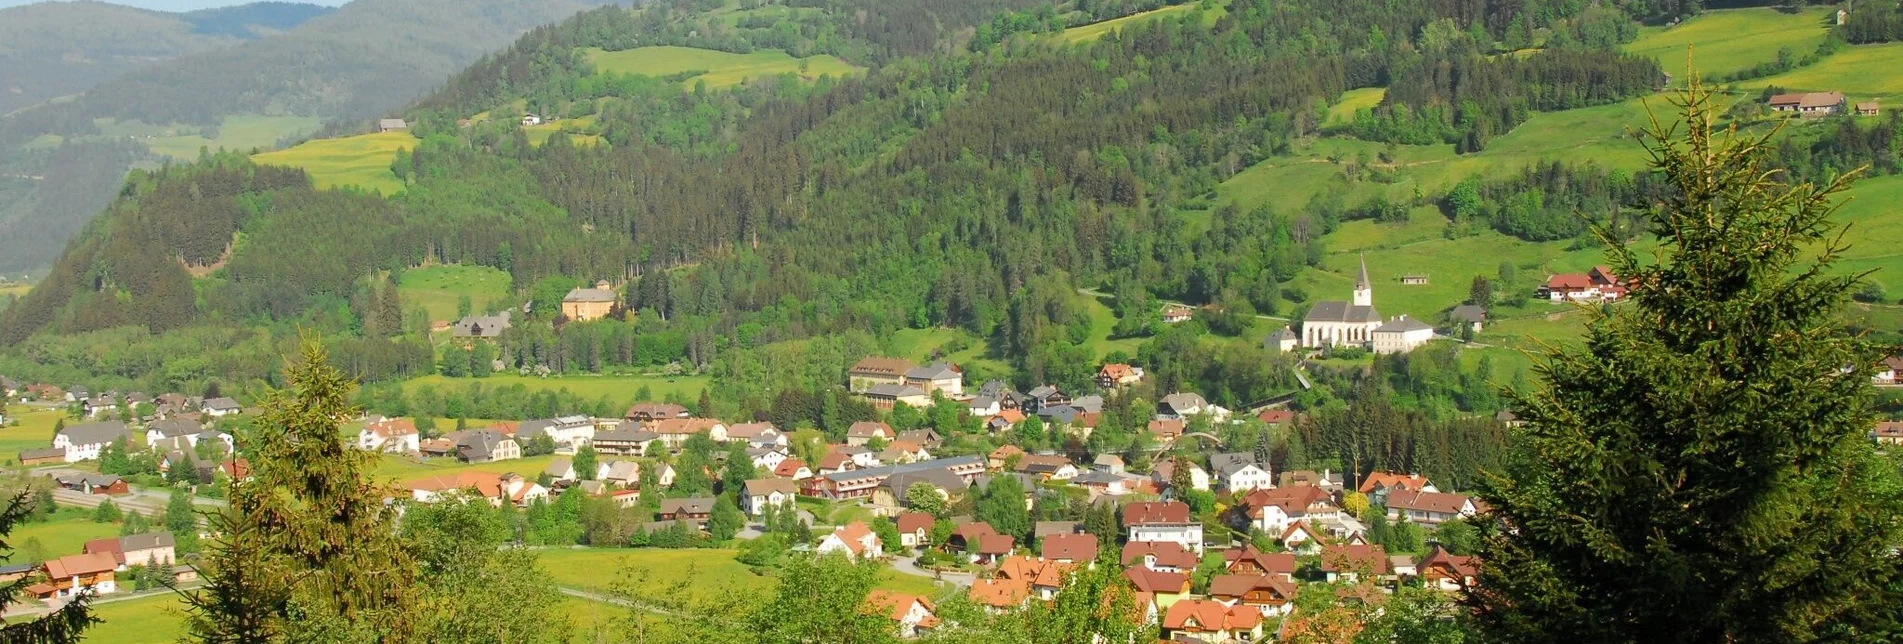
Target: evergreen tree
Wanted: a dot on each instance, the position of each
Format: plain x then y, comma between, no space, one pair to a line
1002,506
135,524
182,520
69,623
107,512
586,462
726,519
1697,471
308,550
738,468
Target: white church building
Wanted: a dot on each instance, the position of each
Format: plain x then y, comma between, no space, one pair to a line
1356,323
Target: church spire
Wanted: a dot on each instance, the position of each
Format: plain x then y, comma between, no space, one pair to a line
1364,290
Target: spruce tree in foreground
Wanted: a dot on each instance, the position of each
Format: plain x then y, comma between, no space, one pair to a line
62,626
1697,471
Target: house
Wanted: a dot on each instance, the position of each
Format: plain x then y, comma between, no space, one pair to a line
925,438
77,393
674,432
864,431
481,485
624,474
1338,323
914,614
1414,280
913,528
1208,620
1167,430
756,434
570,432
1273,510
763,493
1283,340
939,377
1273,416
1302,537
1116,374
664,475
1597,284
1165,471
560,470
1402,566
1111,463
1069,548
983,406
531,119
391,125
84,442
1054,467
692,509
1042,577
1349,562
1174,313
1239,472
73,574
1167,587
1101,483
221,407
1247,560
480,327
393,435
1043,396
1166,556
1401,335
159,430
1272,596
990,547
836,461
1886,433
1468,316
965,536
647,412
1447,571
484,446
1163,521
1181,406
624,440
101,405
1428,508
584,304
152,548
1003,456
794,469
765,458
889,396
1867,108
106,484
1809,103
871,371
854,540
999,595
1378,484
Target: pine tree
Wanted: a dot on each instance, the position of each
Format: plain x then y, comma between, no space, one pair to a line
69,623
308,550
1698,472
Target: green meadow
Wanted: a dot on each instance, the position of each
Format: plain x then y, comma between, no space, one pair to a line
699,574
1725,41
717,68
1095,30
238,132
620,390
1862,73
34,429
147,620
362,161
66,533
438,289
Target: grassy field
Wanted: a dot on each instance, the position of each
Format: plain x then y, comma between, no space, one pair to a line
1729,40
240,132
918,345
579,131
1876,231
1343,111
699,573
619,389
1862,73
401,469
1095,30
719,68
438,289
64,534
1102,321
146,620
362,160
34,431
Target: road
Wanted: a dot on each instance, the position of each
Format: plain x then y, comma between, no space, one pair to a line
906,566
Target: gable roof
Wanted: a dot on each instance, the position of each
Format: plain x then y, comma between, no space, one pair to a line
751,430
1292,500
175,427
1461,565
390,427
764,487
146,541
1355,558
934,371
896,605
1468,313
1210,615
1403,325
698,505
854,535
1075,547
1154,512
1270,562
1807,99
789,467
487,485
1167,553
1236,586
80,564
595,294
1000,593
94,433
880,366
656,410
1439,502
683,426
995,544
1391,480
1340,311
870,429
911,522
1157,581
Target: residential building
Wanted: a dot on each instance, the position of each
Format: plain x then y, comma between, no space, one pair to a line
392,125
1886,433
159,430
584,304
1239,472
1248,560
794,469
766,458
889,396
1168,521
568,432
1597,284
1469,316
561,470
1047,467
1283,340
1272,596
1111,463
1167,430
84,442
222,407
864,431
1165,471
1868,108
1401,335
1043,396
484,446
482,485
73,574
624,440
1273,510
1348,562
1166,556
646,412
1210,621
876,370
938,377
763,493
756,434
1338,323
393,435
855,540
1174,313
1447,571
674,432
914,528
1809,104
913,613
480,327
1428,508
1181,405
1378,484
1116,374
1069,548
696,509
152,548
622,474
1003,456
860,483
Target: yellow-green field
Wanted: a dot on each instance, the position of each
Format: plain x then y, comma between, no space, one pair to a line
1343,111
400,469
241,132
147,620
699,574
1729,40
618,389
66,533
362,161
918,345
578,129
438,289
15,289
1862,73
1874,212
35,430
720,69
1095,30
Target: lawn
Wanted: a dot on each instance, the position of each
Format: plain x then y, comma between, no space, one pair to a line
402,469
438,289
147,620
1876,231
580,131
1730,40
695,573
239,132
362,160
918,345
1862,73
34,431
1343,111
619,389
1102,321
64,534
718,68
1095,30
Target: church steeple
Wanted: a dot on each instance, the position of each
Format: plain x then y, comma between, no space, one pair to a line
1364,290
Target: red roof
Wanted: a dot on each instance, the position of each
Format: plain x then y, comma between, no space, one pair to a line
1440,502
1168,553
1457,565
84,564
1392,481
1276,416
391,427
1355,558
1000,593
1075,547
1204,615
1888,429
1568,282
995,544
789,467
681,426
912,522
1167,428
1234,587
1153,512
869,429
1293,500
1157,581
1273,563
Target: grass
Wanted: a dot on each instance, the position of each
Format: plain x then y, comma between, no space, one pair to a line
1730,40
237,132
1103,320
918,345
718,68
580,130
618,389
438,289
1343,111
1095,30
362,161
1862,73
1876,231
34,431
401,469
146,620
66,533
699,574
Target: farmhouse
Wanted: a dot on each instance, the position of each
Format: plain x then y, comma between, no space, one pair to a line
1168,521
1429,508
392,125
160,430
583,304
152,548
1174,313
1809,103
1468,315
696,510
484,446
1401,335
1283,340
84,442
69,575
1598,284
1867,108
1114,375
480,327
1336,323
764,493
394,435
222,407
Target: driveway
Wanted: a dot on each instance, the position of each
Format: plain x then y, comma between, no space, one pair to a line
907,566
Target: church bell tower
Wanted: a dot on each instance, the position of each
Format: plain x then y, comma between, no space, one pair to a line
1364,291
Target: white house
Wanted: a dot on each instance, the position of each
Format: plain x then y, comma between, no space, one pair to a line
1401,335
914,614
766,459
1273,511
222,407
1162,472
854,540
763,493
571,431
394,435
1163,521
84,442
1338,323
1238,472
159,430
531,119
1429,508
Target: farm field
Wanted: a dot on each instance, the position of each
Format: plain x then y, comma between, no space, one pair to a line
1862,73
147,620
362,161
401,469
438,288
1095,30
700,574
239,132
66,533
1725,41
718,68
35,430
620,390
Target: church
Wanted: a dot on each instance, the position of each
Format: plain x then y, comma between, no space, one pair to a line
1338,323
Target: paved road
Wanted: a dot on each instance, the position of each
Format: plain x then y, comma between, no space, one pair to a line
906,566
27,610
